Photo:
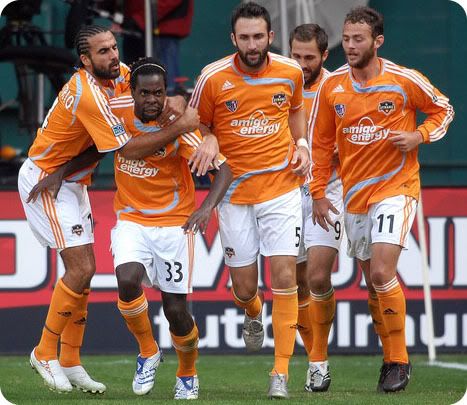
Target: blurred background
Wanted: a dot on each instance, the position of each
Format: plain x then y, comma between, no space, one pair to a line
36,58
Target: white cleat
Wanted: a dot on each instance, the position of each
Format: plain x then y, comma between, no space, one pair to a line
52,373
145,373
318,378
186,387
80,379
278,386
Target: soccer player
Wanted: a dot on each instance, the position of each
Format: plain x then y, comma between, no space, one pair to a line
252,102
369,108
155,198
80,117
318,248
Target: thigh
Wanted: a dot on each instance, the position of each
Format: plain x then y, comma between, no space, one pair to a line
280,224
315,235
173,259
61,223
130,244
239,234
392,219
358,230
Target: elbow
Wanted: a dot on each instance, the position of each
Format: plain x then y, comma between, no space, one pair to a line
129,153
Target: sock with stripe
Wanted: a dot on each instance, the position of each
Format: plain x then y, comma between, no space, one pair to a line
252,307
72,336
284,327
136,317
186,348
304,324
392,306
323,308
373,306
62,307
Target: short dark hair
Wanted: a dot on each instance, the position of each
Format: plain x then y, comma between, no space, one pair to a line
147,67
310,32
250,10
81,39
369,16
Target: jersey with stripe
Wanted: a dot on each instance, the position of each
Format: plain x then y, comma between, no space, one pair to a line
249,115
79,117
360,119
157,190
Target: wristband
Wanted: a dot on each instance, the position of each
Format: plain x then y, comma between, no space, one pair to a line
303,142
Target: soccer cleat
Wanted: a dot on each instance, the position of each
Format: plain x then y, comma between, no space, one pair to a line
52,373
397,377
253,331
145,373
278,386
383,372
186,387
80,379
318,378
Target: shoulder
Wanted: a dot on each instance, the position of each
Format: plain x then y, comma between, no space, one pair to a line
405,74
333,78
283,62
216,68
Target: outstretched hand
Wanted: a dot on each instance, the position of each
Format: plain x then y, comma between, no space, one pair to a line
51,183
198,221
321,215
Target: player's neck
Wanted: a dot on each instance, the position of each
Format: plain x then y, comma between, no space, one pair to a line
251,70
367,73
308,86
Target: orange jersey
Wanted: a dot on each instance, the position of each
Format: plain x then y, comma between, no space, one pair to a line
157,190
360,119
249,115
79,117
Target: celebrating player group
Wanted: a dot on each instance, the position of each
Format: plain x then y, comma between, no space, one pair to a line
299,157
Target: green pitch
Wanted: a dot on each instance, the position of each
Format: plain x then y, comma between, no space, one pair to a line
240,379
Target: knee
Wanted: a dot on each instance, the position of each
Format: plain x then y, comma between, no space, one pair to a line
129,282
87,271
245,290
379,276
319,282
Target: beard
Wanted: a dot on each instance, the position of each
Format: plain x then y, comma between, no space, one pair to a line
364,59
314,74
262,57
104,74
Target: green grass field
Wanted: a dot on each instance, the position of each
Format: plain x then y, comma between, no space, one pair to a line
240,379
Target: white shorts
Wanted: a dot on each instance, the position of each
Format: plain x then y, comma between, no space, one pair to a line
314,235
272,228
165,252
65,222
388,221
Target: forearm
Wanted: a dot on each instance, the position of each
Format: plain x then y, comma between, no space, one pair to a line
83,160
219,186
297,125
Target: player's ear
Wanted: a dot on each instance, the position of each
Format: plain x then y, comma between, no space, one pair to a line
325,55
271,37
232,37
85,60
379,41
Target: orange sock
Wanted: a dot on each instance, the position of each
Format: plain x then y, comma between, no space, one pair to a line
392,306
304,324
252,307
323,308
136,317
71,338
284,327
373,306
187,352
61,309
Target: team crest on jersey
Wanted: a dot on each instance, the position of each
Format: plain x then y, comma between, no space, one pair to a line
229,252
232,105
77,229
279,99
118,129
340,109
386,107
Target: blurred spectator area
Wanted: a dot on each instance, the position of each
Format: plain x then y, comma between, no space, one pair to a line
428,35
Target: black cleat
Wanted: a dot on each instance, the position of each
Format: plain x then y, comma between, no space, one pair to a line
383,372
397,377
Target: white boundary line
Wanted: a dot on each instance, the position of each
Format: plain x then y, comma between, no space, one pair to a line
445,364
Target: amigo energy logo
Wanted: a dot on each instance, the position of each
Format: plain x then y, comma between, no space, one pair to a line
136,167
256,126
365,132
